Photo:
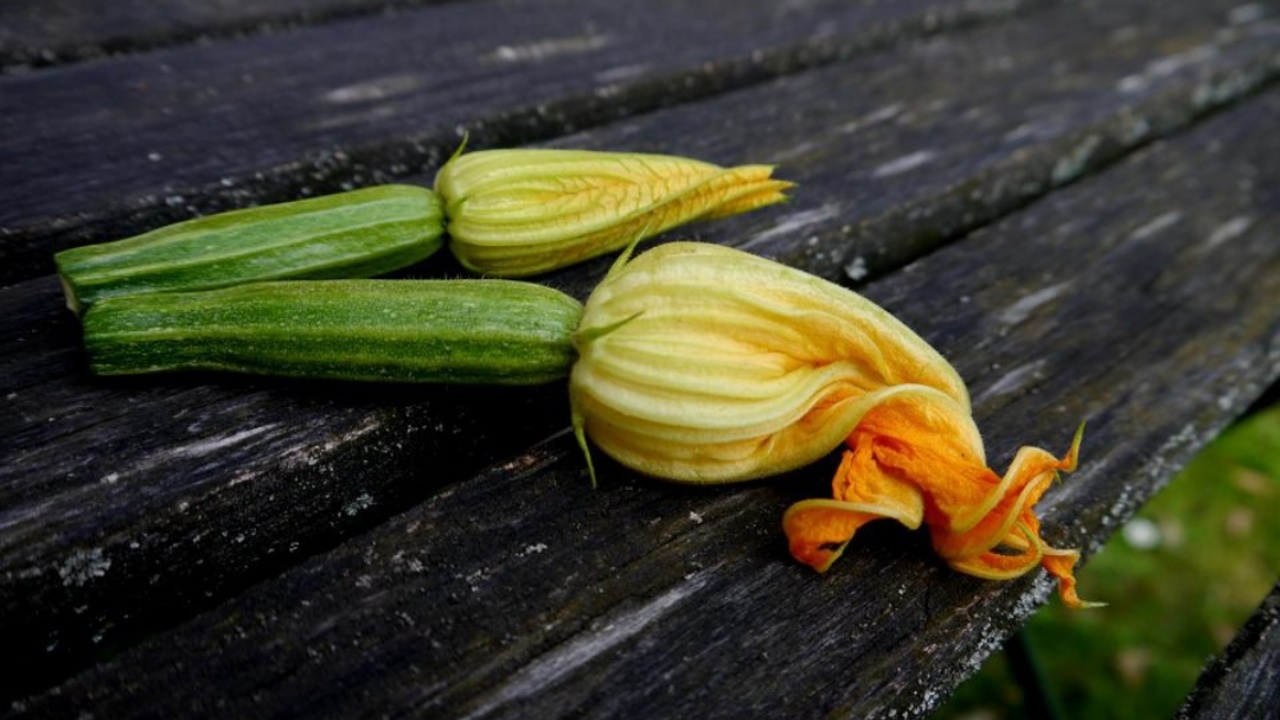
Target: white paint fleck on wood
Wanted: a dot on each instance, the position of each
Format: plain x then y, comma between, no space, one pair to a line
1166,66
856,269
375,89
874,117
551,668
211,445
1158,224
622,72
792,223
1245,14
83,566
552,47
1022,308
1012,381
906,163
1230,230
1071,166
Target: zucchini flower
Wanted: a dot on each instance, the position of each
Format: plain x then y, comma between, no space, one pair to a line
514,213
703,364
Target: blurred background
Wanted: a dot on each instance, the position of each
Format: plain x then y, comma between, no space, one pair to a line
1180,580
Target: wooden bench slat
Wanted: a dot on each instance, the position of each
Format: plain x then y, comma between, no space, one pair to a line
203,488
995,118
141,141
524,593
1244,681
60,31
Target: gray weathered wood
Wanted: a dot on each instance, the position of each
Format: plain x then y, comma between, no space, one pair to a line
524,593
140,141
59,31
204,485
896,153
1244,681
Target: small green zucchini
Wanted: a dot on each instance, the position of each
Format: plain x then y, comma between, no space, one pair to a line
356,234
428,331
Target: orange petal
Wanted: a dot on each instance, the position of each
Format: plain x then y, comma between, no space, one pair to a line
918,456
1032,552
999,566
1061,564
931,442
993,528
818,530
861,479
1031,466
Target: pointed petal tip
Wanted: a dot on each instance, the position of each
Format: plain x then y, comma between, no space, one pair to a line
1061,564
1071,459
818,531
818,557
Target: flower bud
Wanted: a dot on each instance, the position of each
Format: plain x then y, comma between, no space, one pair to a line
704,364
515,213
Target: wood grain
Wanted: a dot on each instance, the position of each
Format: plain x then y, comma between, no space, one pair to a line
136,142
204,485
524,593
54,32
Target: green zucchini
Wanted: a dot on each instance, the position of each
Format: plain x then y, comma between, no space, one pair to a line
432,331
356,234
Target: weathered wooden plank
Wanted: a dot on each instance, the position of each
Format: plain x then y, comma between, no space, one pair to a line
59,31
1243,682
144,140
898,152
111,485
524,593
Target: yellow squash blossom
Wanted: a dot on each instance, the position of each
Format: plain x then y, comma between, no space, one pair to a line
514,213
703,364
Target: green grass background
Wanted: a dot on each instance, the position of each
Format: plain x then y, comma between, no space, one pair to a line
1172,605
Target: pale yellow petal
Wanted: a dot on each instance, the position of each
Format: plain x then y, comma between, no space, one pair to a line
520,212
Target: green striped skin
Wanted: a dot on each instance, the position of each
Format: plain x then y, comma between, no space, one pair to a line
349,235
413,331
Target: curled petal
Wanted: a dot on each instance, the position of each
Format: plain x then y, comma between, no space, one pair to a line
994,565
980,523
1030,467
1033,551
1061,564
992,530
819,530
1030,474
